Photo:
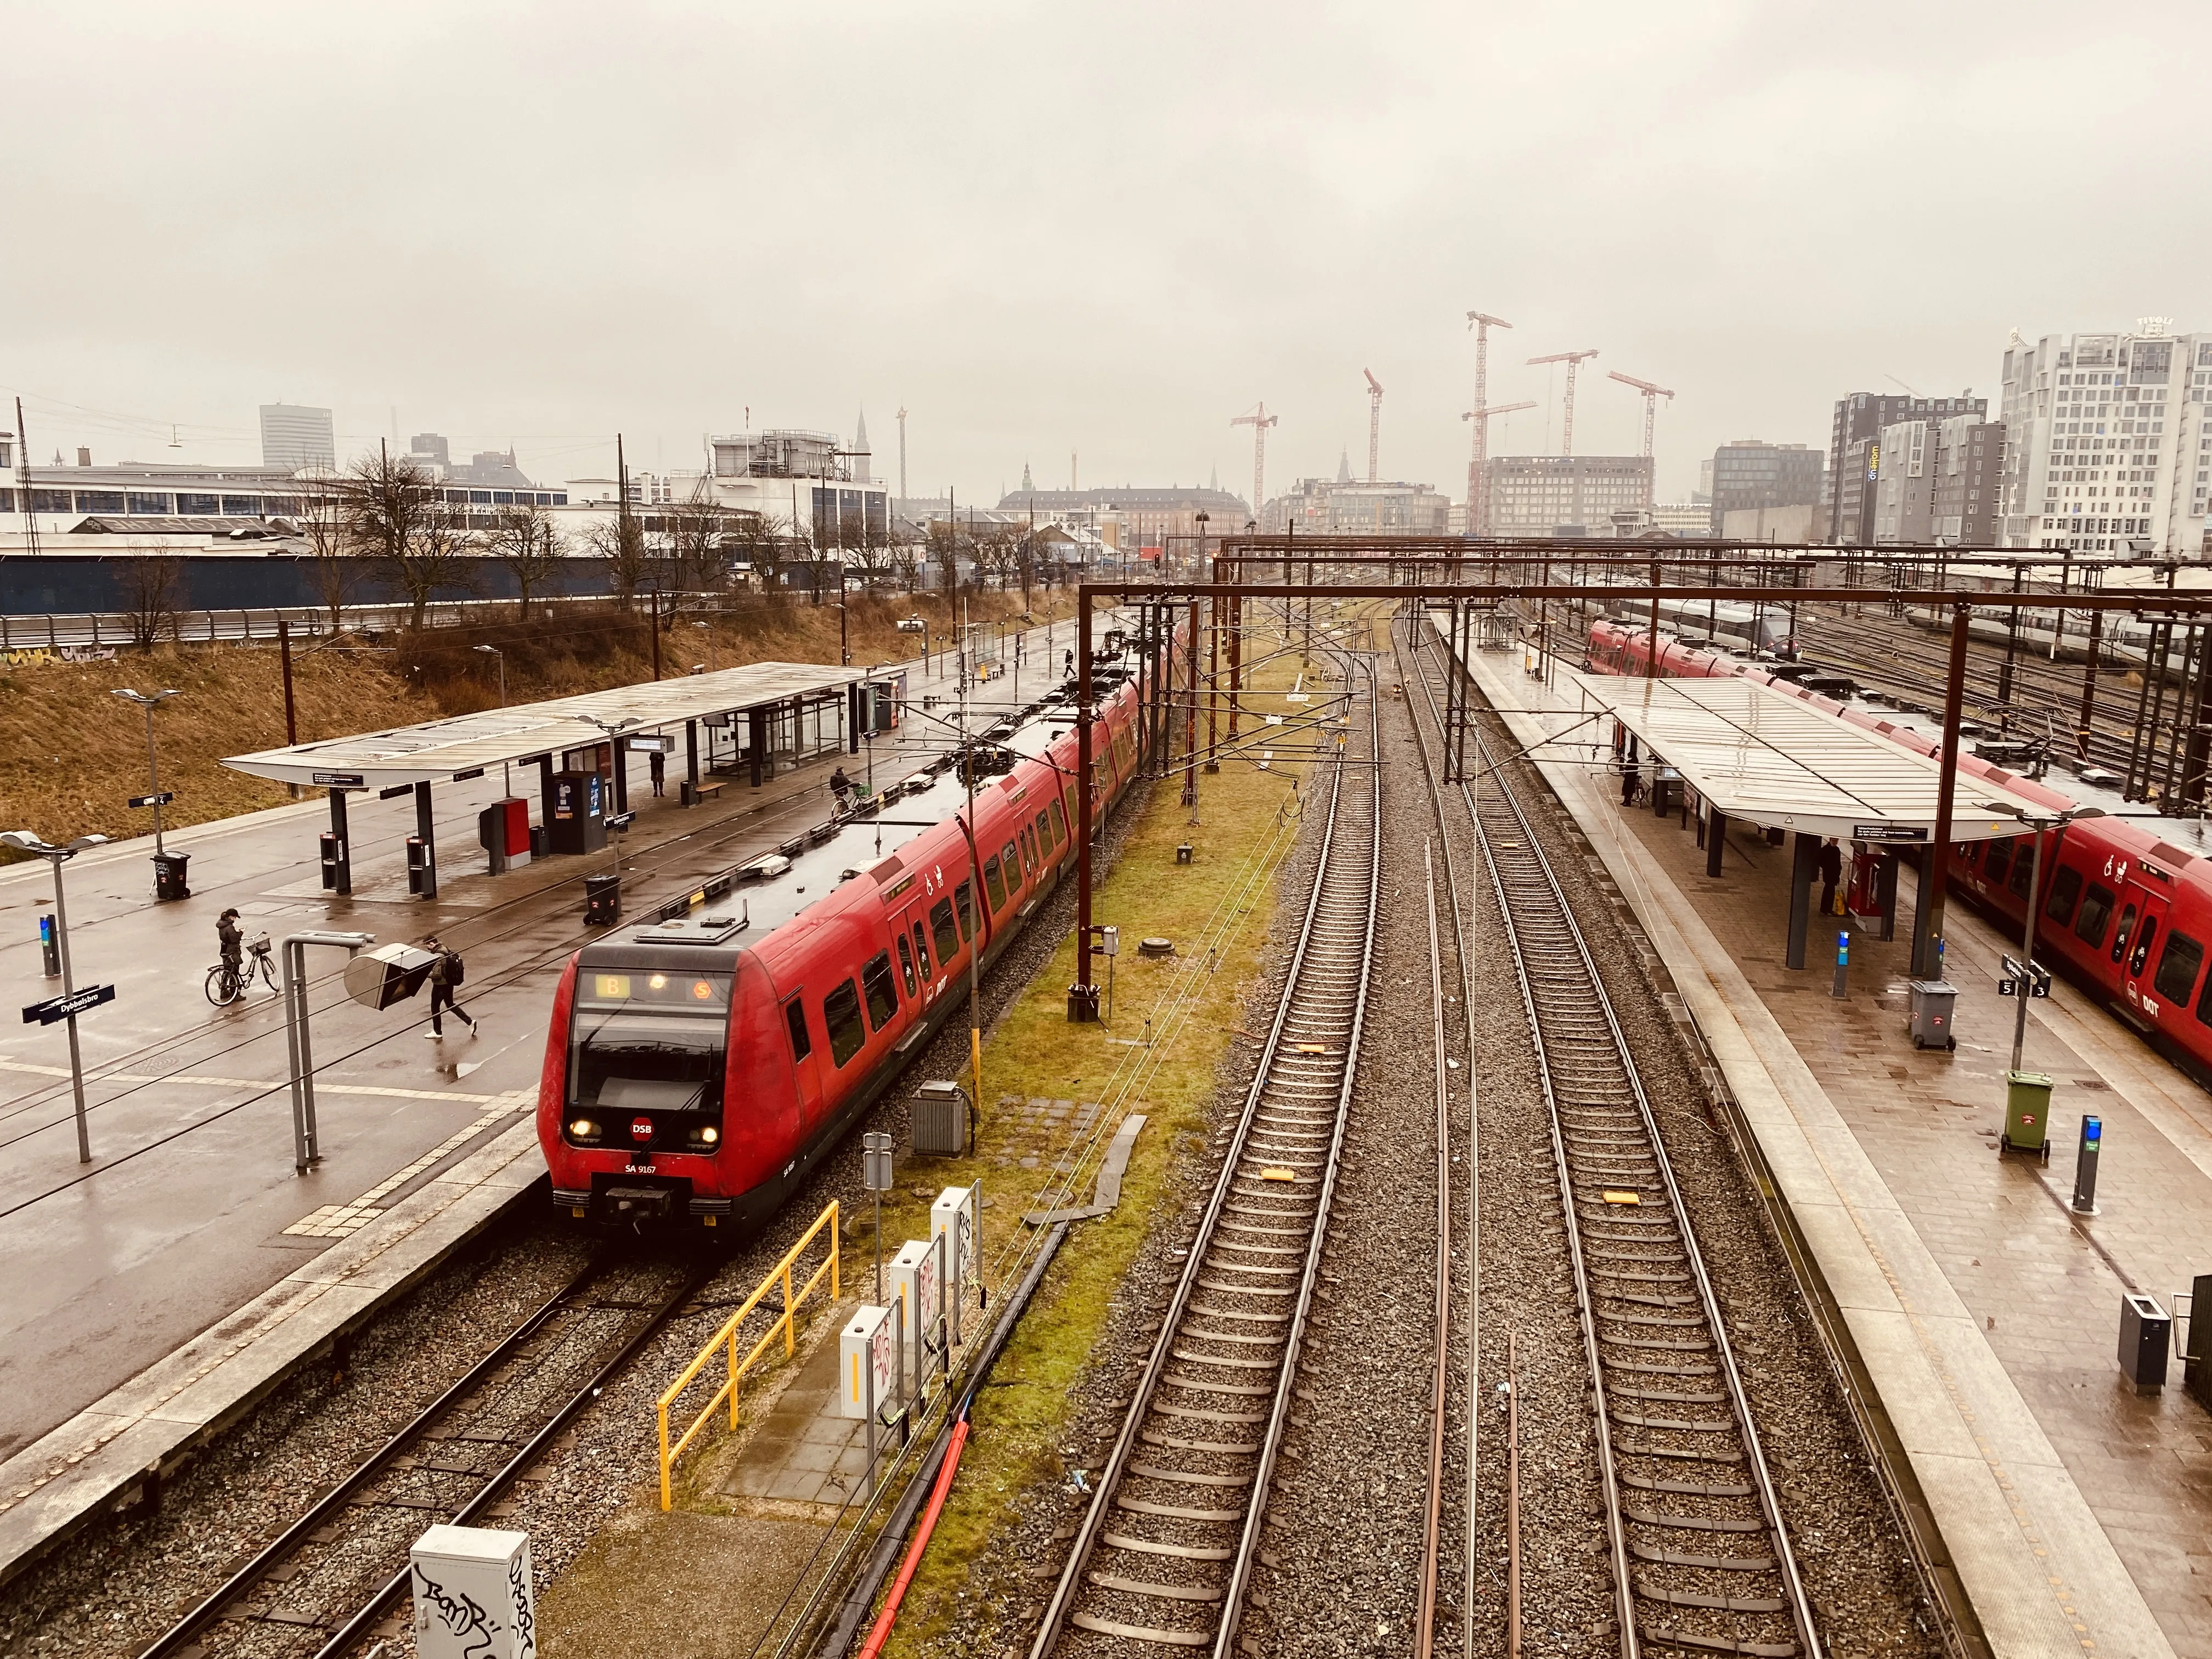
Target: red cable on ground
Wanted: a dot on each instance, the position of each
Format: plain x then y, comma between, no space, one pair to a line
889,1616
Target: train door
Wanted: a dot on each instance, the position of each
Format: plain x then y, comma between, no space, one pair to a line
805,1036
2142,939
916,968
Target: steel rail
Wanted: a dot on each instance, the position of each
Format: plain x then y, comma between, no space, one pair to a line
260,1572
1622,1153
1473,1358
1335,944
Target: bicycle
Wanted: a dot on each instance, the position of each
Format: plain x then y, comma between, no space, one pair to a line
225,984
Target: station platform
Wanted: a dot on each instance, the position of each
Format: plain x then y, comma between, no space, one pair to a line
2076,1513
190,1209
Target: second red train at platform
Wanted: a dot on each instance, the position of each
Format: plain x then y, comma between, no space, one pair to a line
2126,910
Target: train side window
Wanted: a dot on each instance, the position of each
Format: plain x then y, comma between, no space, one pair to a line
841,1015
1011,856
882,996
1029,849
2120,933
940,924
1059,822
921,953
2065,892
991,884
2096,911
906,967
2177,968
1044,834
2142,946
794,1019
966,895
1996,863
2023,870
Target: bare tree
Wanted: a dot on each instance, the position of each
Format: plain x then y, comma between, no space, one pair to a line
696,537
944,550
870,555
758,541
340,572
527,542
151,591
998,550
622,545
422,546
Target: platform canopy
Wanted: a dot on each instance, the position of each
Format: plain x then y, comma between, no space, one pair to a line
437,750
1772,759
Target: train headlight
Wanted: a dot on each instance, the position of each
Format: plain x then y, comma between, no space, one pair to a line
706,1135
583,1128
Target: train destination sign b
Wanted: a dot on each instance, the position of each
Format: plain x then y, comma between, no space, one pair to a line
60,1008
336,779
1889,832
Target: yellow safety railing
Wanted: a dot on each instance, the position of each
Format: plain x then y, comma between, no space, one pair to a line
726,1341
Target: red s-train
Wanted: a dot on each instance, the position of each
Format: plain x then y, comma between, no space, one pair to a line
697,1069
2129,913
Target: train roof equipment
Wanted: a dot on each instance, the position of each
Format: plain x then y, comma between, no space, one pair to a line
1770,758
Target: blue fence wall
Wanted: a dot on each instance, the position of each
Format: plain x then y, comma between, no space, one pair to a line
68,584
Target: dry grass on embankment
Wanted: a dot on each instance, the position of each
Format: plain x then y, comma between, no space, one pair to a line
71,754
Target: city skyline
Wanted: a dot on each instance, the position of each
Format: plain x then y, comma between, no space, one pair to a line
1260,215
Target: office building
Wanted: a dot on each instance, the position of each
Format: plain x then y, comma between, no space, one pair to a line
1750,474
1548,495
1149,517
294,437
1343,507
2109,446
1855,429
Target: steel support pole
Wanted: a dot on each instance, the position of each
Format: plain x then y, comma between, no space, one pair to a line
1189,719
1925,958
1716,838
2088,686
1235,660
344,886
425,831
1803,855
68,988
1083,995
1212,685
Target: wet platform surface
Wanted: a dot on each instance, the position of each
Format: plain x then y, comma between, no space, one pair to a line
2079,1510
192,1208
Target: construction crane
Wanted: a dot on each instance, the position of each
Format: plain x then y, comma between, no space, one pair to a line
1478,466
1374,424
1259,421
1652,396
1573,359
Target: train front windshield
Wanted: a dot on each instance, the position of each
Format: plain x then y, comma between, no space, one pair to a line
648,1041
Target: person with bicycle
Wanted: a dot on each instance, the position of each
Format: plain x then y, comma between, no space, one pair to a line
841,787
228,980
232,940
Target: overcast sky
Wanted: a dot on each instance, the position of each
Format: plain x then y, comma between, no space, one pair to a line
1071,227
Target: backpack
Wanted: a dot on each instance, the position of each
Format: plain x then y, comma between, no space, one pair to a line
454,968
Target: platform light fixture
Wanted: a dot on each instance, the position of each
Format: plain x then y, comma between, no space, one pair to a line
2038,823
29,841
150,701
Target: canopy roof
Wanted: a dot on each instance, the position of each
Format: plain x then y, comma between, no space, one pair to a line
440,749
1773,759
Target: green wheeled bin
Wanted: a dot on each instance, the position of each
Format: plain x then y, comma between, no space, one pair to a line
2027,1113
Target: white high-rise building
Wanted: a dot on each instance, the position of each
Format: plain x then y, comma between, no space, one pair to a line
295,435
2109,440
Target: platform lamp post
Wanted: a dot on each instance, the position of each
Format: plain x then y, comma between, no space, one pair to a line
2038,823
506,776
27,841
150,702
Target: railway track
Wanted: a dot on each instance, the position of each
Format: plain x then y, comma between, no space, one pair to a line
1163,1556
323,1585
1700,1560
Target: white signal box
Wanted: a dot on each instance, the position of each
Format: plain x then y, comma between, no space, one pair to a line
473,1598
864,1361
957,1218
913,1283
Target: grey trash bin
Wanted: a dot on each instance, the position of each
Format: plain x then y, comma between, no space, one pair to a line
938,1119
602,900
1933,1001
2146,1330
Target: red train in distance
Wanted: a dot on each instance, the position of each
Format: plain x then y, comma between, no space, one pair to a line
697,1069
2126,911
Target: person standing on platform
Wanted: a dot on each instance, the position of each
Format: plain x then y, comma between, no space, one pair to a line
657,763
1831,861
445,977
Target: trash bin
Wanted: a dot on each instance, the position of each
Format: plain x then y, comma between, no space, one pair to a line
540,843
2146,1329
939,1120
169,876
2028,1113
1933,999
602,900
